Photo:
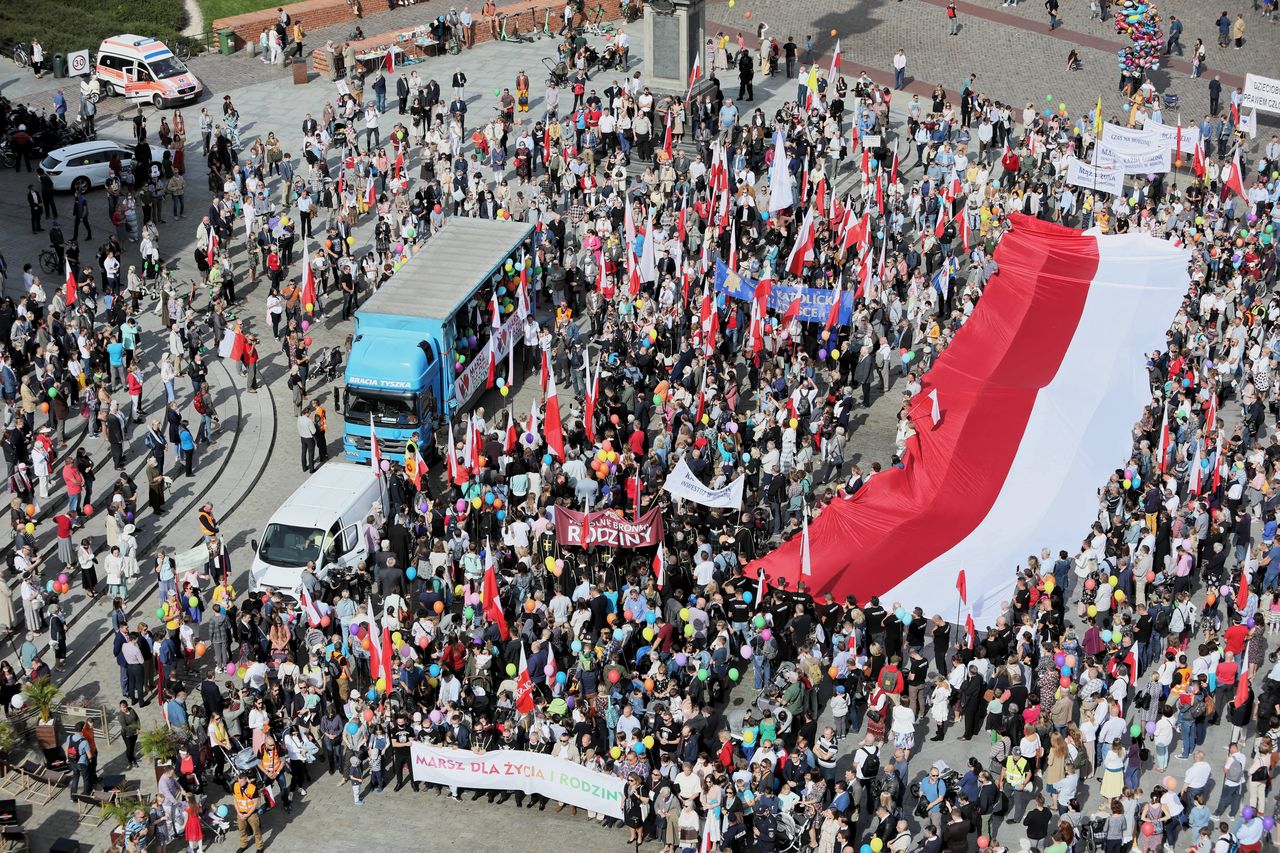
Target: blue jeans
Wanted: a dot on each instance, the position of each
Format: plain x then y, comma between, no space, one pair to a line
763,671
899,78
1230,799
1188,738
1162,756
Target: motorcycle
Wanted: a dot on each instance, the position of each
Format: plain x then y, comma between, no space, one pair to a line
91,89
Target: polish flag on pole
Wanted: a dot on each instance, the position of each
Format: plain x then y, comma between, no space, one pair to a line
833,317
806,553
1193,486
493,342
524,685
834,71
1235,182
695,74
309,607
308,281
419,469
391,61
552,428
803,246
1164,440
1211,415
375,453
489,601
962,587
589,404
962,226
660,566
793,311
70,292
935,410
666,142
451,457
375,640
1197,161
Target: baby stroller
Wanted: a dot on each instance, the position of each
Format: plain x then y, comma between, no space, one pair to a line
558,72
326,364
792,834
215,827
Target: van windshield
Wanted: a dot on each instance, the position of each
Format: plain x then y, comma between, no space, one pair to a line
166,67
386,408
289,546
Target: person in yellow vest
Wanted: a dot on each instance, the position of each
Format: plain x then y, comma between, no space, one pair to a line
208,522
271,763
247,801
1017,781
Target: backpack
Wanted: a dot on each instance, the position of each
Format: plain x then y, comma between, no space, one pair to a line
1160,622
200,404
870,764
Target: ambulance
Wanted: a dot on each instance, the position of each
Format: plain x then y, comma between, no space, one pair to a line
144,69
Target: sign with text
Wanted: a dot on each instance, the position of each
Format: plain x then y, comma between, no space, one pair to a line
518,770
472,377
1167,135
1148,159
608,528
1261,93
682,483
815,302
1103,179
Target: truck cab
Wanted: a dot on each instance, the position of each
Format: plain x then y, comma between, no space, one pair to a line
393,378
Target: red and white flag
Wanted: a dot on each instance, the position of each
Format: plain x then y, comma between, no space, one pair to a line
69,294
490,602
308,606
806,547
553,429
524,685
695,74
308,281
834,71
592,394
1234,180
962,587
660,566
1193,485
802,249
496,327
1003,458
1165,440
375,452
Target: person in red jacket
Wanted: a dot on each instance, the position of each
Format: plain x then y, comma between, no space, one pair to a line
134,381
1011,164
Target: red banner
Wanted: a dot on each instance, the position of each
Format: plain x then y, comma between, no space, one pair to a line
608,528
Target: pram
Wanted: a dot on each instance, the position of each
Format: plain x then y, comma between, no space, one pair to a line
326,364
792,833
558,72
215,827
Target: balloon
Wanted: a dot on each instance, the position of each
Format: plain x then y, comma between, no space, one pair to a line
684,614
1172,784
733,674
745,652
614,676
222,810
1247,812
748,736
230,669
876,845
1151,728
1148,829
1092,610
766,635
758,621
411,572
386,466
615,751
638,747
1268,823
703,674
511,670
64,578
983,842
191,600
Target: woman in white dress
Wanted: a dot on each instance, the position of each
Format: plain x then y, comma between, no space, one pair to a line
939,706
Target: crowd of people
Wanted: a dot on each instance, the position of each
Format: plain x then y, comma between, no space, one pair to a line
1112,662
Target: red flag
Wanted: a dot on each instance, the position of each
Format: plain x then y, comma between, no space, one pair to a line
545,371
552,427
399,163
1162,451
308,282
962,587
1242,597
968,629
489,601
375,453
962,225
160,686
660,566
792,312
589,404
391,61
763,287
419,469
238,345
308,607
893,175
213,248
385,655
833,317
70,297
524,685
666,142
1242,688
694,74
1197,161
493,342
1235,181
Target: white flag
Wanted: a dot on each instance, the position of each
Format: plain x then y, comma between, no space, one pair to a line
936,411
780,194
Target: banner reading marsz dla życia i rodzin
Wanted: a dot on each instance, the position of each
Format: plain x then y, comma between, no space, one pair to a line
519,770
608,528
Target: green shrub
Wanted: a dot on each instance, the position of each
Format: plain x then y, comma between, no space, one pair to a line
66,25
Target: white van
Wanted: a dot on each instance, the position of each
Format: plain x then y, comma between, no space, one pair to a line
321,521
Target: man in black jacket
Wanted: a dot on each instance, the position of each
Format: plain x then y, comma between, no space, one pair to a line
402,93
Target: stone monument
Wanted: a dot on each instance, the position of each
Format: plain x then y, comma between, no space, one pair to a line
673,36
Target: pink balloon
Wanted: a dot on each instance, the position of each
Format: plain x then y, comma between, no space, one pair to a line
230,669
549,669
306,324
766,635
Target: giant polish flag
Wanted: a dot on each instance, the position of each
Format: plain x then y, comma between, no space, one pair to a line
1042,387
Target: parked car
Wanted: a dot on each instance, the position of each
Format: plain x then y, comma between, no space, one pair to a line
87,164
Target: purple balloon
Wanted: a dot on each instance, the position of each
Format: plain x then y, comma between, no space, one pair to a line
1247,813
355,630
681,659
568,700
1268,824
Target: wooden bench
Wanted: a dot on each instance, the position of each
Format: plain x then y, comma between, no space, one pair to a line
527,15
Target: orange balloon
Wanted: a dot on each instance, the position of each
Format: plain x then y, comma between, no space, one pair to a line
44,408
530,606
439,607
31,510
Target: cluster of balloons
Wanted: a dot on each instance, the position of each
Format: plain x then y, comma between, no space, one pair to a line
1131,478
1066,665
1139,22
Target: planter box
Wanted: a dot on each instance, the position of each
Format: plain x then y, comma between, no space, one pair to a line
48,735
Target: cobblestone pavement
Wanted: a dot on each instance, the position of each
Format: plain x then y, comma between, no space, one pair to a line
403,821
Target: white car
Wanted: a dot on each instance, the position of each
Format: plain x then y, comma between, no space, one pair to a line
87,164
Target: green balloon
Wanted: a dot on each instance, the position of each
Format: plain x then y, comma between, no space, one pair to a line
468,612
159,612
703,674
53,392
657,399
734,674
1048,99
511,669
1135,730
758,621
497,93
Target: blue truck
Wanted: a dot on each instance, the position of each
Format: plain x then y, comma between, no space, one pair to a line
403,369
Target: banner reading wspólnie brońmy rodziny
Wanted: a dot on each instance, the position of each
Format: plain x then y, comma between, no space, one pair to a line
517,770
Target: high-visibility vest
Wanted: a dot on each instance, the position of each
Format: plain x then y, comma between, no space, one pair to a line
272,763
246,797
1015,771
207,525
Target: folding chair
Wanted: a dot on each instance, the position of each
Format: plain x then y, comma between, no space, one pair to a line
15,782
90,805
13,839
43,784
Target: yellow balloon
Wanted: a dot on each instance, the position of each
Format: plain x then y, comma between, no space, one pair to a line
1092,611
381,684
1120,596
877,845
1113,580
475,502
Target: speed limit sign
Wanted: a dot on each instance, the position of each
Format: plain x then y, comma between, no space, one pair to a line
78,63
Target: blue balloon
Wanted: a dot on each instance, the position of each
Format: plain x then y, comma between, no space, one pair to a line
372,695
222,810
489,498
638,748
651,617
48,586
411,573
747,596
576,646
1066,670
546,459
866,848
561,678
353,728
434,670
502,514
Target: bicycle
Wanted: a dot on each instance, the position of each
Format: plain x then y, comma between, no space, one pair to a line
49,260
